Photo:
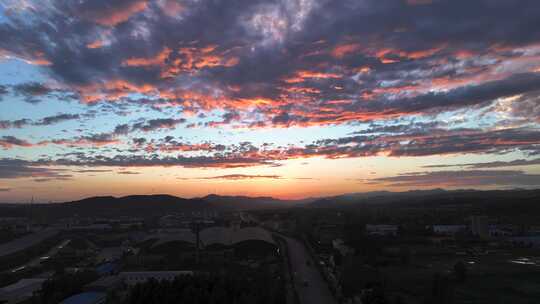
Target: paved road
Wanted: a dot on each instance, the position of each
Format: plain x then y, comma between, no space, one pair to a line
317,291
37,261
26,242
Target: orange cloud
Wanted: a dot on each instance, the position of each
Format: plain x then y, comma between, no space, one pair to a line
383,54
341,51
302,90
119,14
301,76
35,58
423,53
39,61
95,44
113,90
171,8
8,142
186,147
157,60
192,59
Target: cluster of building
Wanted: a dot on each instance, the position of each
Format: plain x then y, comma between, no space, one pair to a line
100,224
477,235
112,248
16,224
186,220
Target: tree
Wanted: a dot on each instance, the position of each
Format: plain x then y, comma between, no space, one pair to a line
442,291
460,270
405,255
64,285
212,289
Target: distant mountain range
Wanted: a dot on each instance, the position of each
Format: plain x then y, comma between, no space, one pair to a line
142,206
349,199
498,203
145,205
154,205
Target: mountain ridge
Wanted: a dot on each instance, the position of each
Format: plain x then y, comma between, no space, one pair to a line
157,204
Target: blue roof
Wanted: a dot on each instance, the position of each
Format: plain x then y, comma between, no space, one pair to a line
86,298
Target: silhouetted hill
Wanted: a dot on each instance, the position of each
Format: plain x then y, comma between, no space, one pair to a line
374,196
493,202
497,202
141,206
133,205
246,202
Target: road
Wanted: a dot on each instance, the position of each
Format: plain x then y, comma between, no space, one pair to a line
26,242
316,291
37,261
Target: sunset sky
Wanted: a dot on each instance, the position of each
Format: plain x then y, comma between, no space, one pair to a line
283,98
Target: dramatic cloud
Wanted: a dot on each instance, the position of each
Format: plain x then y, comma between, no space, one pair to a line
56,119
526,106
399,129
32,91
494,164
155,124
297,62
243,176
121,129
93,171
100,139
432,102
3,91
170,145
465,178
432,141
46,121
19,123
161,83
417,143
128,172
8,142
109,14
463,96
216,161
14,168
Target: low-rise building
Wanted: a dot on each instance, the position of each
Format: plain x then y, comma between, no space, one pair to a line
382,230
499,231
135,277
326,233
525,241
448,229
